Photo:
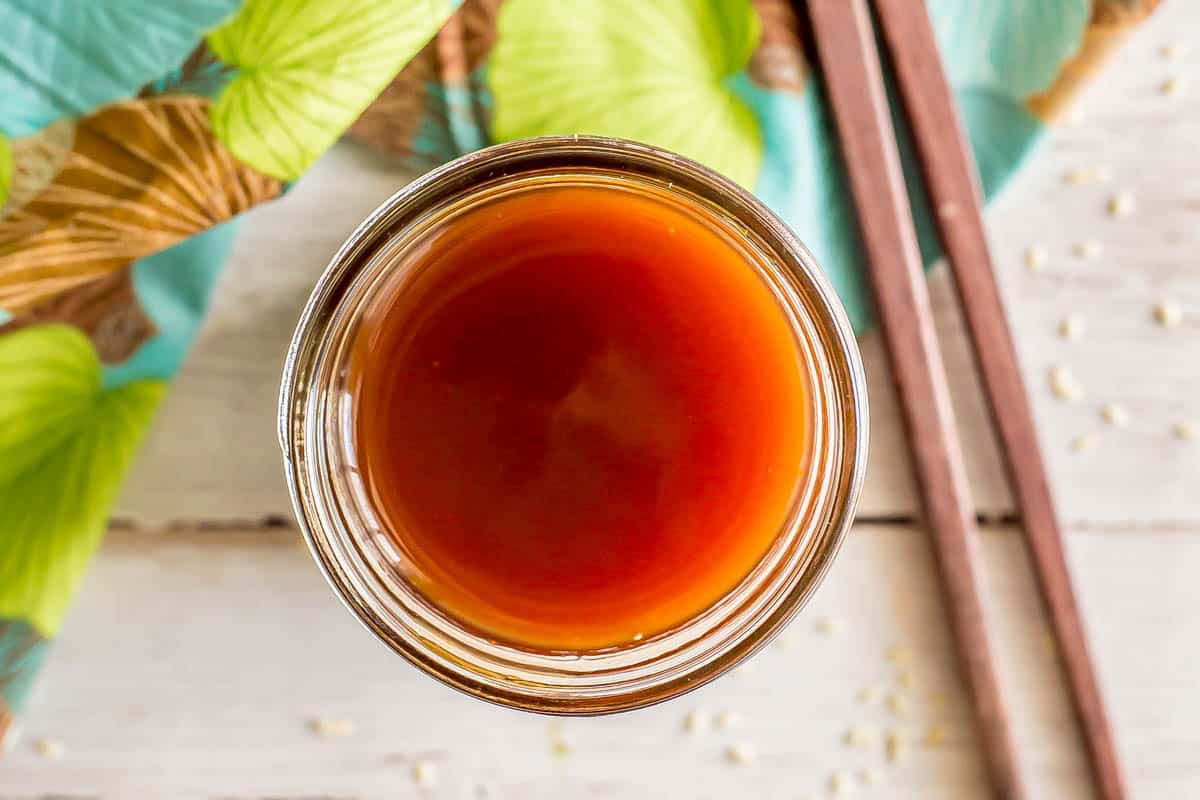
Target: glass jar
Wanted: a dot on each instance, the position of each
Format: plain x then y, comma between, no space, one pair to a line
363,564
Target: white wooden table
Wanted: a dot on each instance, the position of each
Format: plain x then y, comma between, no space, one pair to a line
229,642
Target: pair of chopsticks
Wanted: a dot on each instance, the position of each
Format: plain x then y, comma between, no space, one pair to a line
850,64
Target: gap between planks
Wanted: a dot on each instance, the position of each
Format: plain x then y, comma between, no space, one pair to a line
269,524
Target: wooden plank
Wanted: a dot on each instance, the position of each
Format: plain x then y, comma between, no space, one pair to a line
1128,128
192,662
221,409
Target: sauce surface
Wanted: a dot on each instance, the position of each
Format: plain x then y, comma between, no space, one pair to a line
581,416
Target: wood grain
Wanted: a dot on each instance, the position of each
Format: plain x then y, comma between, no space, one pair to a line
853,79
952,185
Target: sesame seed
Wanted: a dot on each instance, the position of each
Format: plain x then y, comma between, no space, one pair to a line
1121,204
49,749
1184,431
1064,385
787,640
899,655
831,626
936,735
1077,176
1085,442
637,637
1080,176
896,746
1171,52
329,728
1173,86
869,695
905,678
864,736
1036,257
558,745
948,210
899,705
938,700
1072,327
1115,415
728,719
697,721
1168,314
741,753
1088,248
424,773
841,783
871,776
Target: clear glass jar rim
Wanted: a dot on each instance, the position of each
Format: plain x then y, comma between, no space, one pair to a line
561,682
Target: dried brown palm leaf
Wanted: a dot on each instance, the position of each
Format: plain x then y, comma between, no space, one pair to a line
141,176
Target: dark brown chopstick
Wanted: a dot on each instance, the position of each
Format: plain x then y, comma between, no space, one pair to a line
853,77
952,184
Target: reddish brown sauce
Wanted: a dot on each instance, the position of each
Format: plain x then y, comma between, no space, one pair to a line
581,417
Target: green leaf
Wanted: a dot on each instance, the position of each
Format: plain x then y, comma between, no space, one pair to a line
63,58
65,445
1011,47
307,70
658,72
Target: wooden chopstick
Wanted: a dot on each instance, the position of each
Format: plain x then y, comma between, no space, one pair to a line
853,77
953,189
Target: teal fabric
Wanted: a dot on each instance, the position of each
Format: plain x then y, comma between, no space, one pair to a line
802,181
22,652
1014,47
62,58
174,287
1001,134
